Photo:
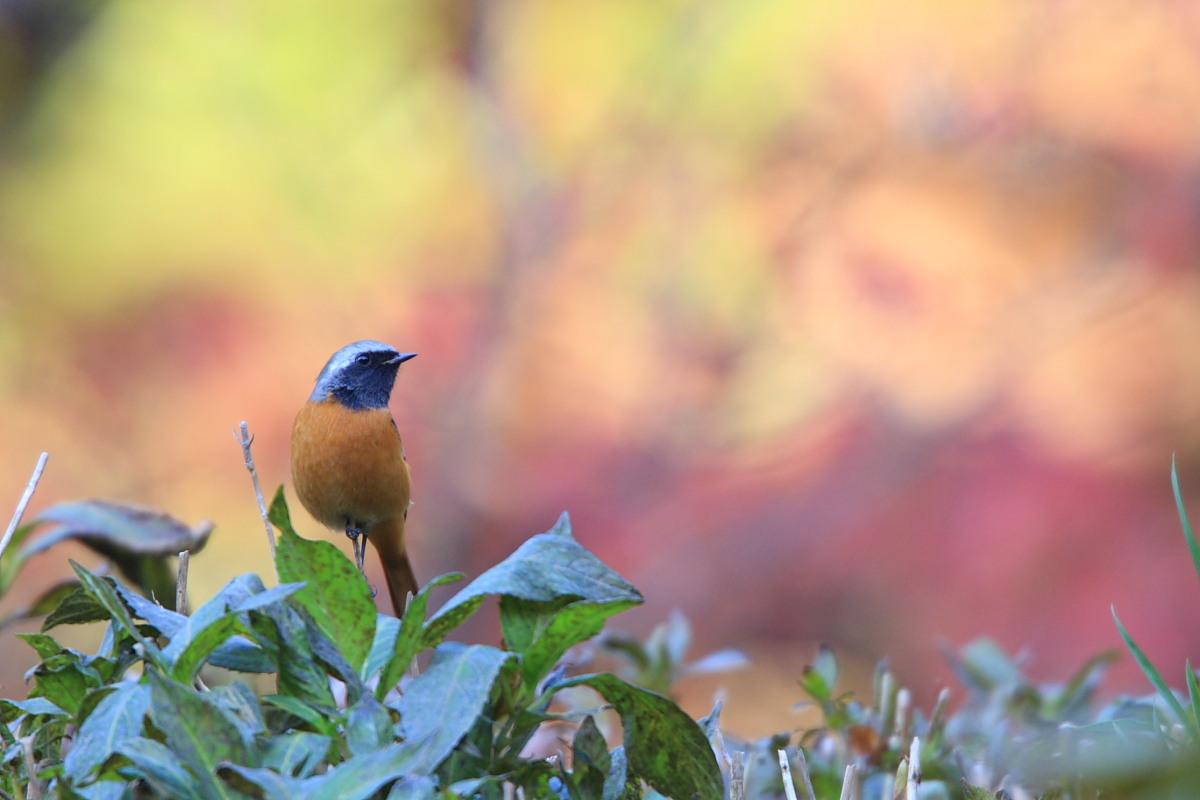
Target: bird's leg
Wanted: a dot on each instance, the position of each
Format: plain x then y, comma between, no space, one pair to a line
358,538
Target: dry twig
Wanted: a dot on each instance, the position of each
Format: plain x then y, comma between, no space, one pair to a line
245,440
24,502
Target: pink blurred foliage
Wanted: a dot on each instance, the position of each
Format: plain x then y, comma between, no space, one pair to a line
937,400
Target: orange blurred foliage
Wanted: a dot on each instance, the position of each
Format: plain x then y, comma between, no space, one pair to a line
869,325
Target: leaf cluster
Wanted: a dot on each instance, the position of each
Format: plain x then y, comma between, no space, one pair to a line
350,716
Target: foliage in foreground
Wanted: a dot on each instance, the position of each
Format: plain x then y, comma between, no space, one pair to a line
160,711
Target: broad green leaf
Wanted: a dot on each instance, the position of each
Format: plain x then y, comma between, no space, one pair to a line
102,589
413,787
64,681
33,706
665,747
820,678
75,608
242,707
1152,673
546,568
119,716
410,636
337,594
237,653
199,733
262,783
619,783
283,635
297,754
45,645
543,632
163,769
137,539
368,725
198,645
387,631
591,762
319,719
358,778
439,706
116,530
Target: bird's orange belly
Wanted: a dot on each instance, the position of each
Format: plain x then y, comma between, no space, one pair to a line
348,466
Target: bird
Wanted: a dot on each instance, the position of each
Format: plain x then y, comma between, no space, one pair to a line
348,463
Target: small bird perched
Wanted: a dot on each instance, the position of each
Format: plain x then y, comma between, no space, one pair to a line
348,463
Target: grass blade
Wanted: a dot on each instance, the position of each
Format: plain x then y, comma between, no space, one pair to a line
1151,672
1188,533
1194,696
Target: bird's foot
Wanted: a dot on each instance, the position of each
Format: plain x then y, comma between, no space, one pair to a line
358,538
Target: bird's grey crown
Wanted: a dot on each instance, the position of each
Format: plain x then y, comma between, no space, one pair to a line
358,386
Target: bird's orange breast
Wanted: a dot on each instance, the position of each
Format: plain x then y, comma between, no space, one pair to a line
348,466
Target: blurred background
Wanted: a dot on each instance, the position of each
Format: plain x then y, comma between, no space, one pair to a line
864,323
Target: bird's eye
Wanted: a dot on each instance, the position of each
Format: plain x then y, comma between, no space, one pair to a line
363,359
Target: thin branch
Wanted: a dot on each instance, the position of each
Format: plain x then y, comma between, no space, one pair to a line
24,502
737,776
181,580
808,787
914,769
789,787
850,784
35,787
245,440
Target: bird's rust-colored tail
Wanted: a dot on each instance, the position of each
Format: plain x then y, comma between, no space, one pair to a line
388,538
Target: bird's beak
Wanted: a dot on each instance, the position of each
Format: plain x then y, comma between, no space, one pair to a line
402,357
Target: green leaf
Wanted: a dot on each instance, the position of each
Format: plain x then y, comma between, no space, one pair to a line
243,593
976,792
64,681
297,753
619,783
10,710
591,762
45,603
46,646
1188,533
118,717
162,769
414,787
337,594
102,589
548,567
410,637
76,607
211,628
439,706
1075,697
196,646
198,732
543,632
665,747
320,720
1194,697
368,725
1151,672
262,783
136,539
10,565
242,707
281,632
360,777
